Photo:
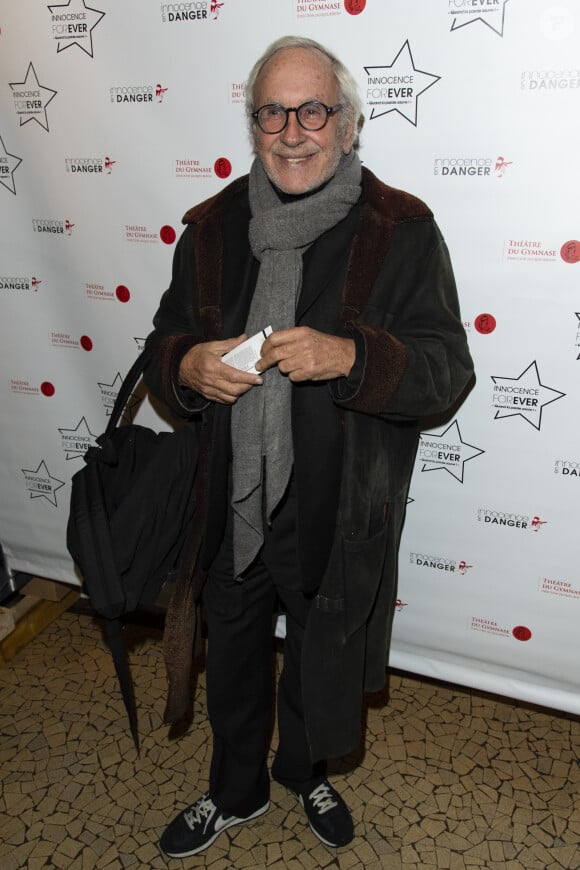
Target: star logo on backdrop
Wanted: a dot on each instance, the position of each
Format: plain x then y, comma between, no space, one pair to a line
32,107
78,27
109,393
41,484
8,164
524,396
447,451
492,16
75,442
397,87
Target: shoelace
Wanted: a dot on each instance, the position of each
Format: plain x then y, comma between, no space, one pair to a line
203,809
322,799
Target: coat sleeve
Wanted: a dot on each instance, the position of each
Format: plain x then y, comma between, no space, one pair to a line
177,328
412,358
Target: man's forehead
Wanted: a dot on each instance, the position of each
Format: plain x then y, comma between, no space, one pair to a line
305,69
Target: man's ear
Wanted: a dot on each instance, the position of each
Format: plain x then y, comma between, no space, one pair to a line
348,137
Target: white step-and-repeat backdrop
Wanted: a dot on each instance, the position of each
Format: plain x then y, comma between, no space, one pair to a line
115,117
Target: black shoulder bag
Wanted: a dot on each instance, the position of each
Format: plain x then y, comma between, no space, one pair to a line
131,507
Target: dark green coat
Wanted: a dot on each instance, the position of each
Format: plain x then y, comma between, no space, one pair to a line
382,276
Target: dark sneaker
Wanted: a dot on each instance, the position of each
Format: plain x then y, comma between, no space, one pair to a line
198,826
328,815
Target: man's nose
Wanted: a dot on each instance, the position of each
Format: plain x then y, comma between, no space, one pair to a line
292,132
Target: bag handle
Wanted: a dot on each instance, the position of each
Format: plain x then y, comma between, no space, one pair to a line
129,383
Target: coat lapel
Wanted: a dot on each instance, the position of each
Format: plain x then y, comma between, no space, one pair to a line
237,287
323,259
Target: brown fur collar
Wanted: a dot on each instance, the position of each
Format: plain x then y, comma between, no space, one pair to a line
219,202
383,208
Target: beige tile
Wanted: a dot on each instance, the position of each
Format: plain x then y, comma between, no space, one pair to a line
447,778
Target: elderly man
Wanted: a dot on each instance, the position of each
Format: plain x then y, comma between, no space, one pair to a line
309,458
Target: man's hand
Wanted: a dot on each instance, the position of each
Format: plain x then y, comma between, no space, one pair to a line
305,354
202,370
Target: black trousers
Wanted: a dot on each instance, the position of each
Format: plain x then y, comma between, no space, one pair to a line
240,618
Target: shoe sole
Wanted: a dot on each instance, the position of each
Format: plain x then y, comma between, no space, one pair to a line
231,824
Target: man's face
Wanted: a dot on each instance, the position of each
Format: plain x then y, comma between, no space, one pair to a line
296,160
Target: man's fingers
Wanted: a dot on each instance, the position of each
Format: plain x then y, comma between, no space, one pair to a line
228,344
227,383
305,354
203,371
224,391
280,346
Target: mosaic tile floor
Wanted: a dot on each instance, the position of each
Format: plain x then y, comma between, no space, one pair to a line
448,778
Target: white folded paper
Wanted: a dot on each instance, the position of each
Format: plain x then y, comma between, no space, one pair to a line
246,355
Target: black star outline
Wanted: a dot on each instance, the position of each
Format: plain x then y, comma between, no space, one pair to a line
501,414
457,437
133,401
456,26
406,45
114,385
32,117
45,473
82,427
81,4
15,165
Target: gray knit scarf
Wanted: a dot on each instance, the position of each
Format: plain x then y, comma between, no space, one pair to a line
279,234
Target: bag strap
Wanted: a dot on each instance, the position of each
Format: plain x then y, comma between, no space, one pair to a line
129,383
114,627
114,635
